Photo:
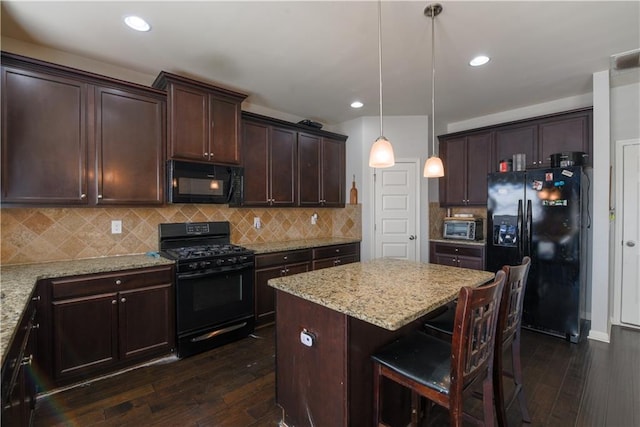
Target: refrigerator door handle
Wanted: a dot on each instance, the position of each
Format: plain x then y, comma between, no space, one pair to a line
521,232
529,228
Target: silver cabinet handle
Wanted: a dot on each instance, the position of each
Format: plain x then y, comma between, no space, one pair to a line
114,302
27,360
83,196
36,298
99,196
118,282
205,155
123,300
631,243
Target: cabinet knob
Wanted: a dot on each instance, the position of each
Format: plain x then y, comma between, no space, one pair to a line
114,302
205,155
83,196
285,257
36,298
337,250
283,272
27,360
36,326
123,299
118,282
99,196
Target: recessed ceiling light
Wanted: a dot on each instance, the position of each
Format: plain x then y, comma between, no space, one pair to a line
356,104
137,23
479,60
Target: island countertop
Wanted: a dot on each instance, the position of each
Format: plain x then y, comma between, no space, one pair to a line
386,292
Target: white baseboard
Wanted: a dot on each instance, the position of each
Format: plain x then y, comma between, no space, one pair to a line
599,336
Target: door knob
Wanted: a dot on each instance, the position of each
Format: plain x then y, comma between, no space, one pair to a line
631,243
412,237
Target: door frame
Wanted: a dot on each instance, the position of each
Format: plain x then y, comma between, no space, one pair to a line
374,218
617,239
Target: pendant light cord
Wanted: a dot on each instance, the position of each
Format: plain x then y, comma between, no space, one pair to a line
433,80
380,58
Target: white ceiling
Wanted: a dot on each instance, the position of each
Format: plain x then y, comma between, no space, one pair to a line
312,58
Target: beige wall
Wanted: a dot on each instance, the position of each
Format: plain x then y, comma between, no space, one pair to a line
52,234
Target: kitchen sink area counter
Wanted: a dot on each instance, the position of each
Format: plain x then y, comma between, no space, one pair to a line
18,282
290,245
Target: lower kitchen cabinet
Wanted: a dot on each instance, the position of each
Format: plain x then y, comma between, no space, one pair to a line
457,255
270,266
19,369
332,256
104,322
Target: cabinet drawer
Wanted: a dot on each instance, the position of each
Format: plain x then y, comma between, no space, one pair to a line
91,284
334,251
280,258
465,250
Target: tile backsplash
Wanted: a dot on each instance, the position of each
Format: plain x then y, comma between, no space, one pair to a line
55,234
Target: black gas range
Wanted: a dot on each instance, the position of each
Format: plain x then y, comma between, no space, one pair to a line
214,284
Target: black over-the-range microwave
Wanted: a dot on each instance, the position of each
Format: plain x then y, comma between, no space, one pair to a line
193,182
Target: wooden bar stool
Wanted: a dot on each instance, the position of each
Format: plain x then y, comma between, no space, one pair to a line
441,370
507,335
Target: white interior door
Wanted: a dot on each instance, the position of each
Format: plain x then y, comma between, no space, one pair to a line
630,308
396,212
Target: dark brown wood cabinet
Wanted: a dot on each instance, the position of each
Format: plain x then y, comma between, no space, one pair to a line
321,171
19,369
467,163
204,120
103,322
332,256
287,164
469,156
75,138
270,266
269,154
457,255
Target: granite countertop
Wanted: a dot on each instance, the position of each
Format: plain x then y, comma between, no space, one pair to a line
290,245
388,293
461,242
17,283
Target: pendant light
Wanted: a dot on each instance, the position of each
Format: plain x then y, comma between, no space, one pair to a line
433,167
381,154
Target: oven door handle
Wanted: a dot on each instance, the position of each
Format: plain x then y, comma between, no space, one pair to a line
218,332
205,273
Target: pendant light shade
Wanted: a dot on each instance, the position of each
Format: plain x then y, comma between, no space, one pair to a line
381,154
433,167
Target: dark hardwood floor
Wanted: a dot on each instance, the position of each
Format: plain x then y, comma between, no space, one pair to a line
585,384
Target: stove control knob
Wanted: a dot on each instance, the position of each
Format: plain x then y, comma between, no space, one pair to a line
219,261
193,266
233,260
203,264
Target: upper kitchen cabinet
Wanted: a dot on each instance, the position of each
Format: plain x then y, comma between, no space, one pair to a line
204,120
467,162
269,157
76,138
321,171
540,137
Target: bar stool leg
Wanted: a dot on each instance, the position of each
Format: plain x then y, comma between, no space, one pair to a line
517,378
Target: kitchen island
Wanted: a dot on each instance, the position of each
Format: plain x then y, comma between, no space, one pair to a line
328,322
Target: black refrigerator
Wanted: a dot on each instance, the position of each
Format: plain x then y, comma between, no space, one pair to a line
543,214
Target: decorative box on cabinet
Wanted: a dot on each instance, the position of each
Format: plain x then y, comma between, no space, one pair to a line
19,368
107,321
270,266
457,255
332,256
204,120
76,138
467,163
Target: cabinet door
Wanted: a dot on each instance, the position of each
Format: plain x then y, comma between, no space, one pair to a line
255,143
282,166
510,141
146,321
188,123
478,166
333,173
129,147
44,145
308,170
569,134
453,184
265,294
85,335
224,141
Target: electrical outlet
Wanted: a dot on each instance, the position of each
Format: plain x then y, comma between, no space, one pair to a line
116,226
314,218
257,224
